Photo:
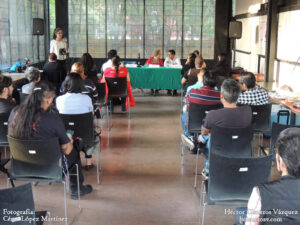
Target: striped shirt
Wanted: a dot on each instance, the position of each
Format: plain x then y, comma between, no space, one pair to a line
204,96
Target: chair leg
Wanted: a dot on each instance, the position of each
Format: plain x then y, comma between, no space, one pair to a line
196,168
5,153
78,185
128,108
202,203
98,153
65,203
182,153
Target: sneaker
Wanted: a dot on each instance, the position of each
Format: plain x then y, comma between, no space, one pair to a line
84,190
174,93
205,174
88,167
188,141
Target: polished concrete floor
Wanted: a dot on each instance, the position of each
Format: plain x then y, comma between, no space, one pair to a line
143,181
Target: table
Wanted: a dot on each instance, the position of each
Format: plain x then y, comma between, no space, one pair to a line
15,76
155,78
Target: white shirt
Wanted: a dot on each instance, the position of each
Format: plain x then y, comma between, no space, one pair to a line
74,103
55,46
175,62
254,207
106,65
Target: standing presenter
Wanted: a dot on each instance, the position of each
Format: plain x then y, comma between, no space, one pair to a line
59,46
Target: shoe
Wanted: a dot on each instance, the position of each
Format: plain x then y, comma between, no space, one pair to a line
155,92
88,167
152,91
205,174
84,190
175,93
188,141
169,92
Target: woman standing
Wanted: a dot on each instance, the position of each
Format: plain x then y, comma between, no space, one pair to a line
59,46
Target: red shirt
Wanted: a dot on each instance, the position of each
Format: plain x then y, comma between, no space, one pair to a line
150,61
111,73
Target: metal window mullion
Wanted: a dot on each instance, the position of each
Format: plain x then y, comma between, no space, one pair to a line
201,30
163,31
106,28
86,27
144,30
125,12
182,30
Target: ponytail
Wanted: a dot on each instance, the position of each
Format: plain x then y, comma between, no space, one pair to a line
116,62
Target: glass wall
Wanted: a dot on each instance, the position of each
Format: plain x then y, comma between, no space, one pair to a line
16,39
136,27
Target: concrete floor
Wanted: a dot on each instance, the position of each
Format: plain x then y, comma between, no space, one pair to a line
143,182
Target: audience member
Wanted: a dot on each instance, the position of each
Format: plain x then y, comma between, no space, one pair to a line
222,68
54,72
199,83
90,69
112,53
206,95
189,64
90,88
231,116
33,75
191,77
197,53
6,90
34,120
117,70
74,102
251,93
279,200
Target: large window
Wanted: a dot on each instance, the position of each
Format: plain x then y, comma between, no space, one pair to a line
16,39
138,27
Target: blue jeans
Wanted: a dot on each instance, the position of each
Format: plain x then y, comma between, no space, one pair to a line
240,218
184,124
205,139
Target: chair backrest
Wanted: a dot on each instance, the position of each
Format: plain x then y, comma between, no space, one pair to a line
276,129
101,89
232,179
3,128
234,142
23,97
17,199
261,117
35,158
81,124
117,86
197,113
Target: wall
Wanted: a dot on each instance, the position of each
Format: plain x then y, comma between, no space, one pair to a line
242,6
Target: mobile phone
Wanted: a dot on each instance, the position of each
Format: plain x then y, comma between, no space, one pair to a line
70,133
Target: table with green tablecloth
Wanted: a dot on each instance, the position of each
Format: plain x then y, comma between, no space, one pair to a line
155,78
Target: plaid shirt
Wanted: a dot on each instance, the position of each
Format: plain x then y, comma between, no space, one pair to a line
255,96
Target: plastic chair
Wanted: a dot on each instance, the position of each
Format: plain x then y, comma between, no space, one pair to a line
231,180
117,87
101,100
3,131
196,115
83,127
3,162
39,161
231,142
23,97
19,199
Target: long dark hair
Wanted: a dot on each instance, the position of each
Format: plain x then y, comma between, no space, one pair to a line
73,83
116,62
55,31
26,114
192,60
87,61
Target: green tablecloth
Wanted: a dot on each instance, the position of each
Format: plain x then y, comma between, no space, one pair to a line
155,78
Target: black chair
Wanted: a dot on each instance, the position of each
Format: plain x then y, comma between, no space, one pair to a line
117,87
196,115
19,199
3,131
231,142
231,180
39,161
23,97
83,127
3,162
261,115
102,100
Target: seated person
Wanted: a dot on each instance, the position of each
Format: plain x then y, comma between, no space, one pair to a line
172,61
6,90
34,120
117,70
155,60
225,117
251,94
34,76
199,83
284,193
206,95
189,64
191,77
74,102
90,88
53,71
90,69
222,68
112,53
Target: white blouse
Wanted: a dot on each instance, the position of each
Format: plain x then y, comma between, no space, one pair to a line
55,46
